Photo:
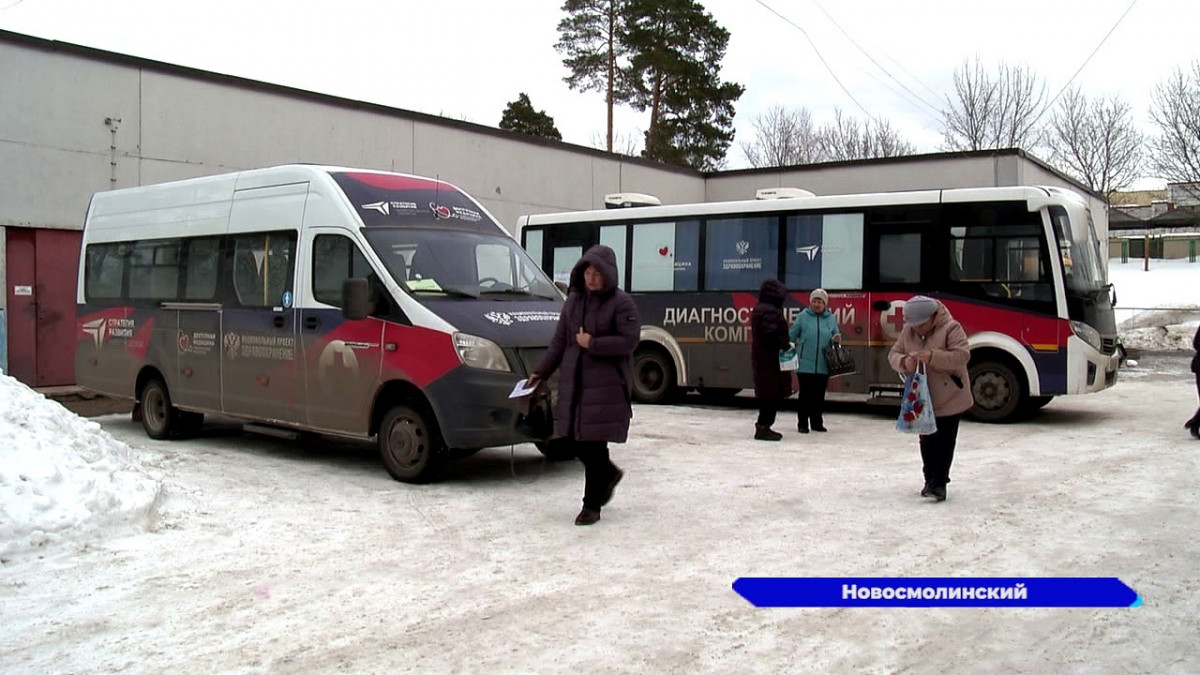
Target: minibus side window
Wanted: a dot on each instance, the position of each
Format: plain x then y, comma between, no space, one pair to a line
104,272
263,267
336,259
154,270
200,275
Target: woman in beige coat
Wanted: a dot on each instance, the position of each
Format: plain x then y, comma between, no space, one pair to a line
931,336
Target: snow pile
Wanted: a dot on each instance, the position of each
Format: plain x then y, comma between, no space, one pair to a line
62,477
1159,309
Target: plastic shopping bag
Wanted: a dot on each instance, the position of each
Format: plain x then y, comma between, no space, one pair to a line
916,410
788,359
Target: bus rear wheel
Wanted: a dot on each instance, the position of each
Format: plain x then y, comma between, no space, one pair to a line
160,419
997,390
410,444
653,376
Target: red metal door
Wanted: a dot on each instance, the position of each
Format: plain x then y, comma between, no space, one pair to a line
41,305
22,305
57,261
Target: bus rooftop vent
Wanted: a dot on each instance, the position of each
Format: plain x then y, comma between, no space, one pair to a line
624,200
782,193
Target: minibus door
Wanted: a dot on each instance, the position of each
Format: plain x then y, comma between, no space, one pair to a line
259,356
342,358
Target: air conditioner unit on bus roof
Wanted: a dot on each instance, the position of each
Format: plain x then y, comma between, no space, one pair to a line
782,193
624,200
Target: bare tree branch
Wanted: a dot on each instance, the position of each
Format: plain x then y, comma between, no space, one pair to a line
782,138
993,112
1175,110
1096,141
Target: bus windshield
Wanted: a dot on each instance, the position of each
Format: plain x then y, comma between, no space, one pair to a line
458,264
1080,249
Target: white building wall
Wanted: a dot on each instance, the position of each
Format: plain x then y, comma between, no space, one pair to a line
62,104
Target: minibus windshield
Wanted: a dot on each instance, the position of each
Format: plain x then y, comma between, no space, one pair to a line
459,264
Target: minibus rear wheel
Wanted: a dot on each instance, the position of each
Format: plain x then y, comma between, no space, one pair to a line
159,418
411,445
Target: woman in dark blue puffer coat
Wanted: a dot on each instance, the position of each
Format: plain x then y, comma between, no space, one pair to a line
593,344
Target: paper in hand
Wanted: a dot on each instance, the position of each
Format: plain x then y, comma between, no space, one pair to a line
522,388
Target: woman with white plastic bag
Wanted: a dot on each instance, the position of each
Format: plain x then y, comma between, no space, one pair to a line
934,343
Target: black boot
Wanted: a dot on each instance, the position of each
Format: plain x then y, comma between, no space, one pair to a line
587,516
925,490
763,433
939,493
1193,425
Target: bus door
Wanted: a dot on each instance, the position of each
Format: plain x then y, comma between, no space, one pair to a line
198,383
259,358
342,359
902,259
852,309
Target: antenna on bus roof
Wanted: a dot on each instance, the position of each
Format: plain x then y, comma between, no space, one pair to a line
782,193
625,200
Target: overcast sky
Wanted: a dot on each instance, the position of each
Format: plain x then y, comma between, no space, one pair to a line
467,59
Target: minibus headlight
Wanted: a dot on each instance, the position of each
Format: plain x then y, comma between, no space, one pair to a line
1087,334
480,352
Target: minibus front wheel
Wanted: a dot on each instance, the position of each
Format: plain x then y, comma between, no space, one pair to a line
411,445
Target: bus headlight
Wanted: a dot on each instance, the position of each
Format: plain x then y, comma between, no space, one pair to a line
1087,334
480,352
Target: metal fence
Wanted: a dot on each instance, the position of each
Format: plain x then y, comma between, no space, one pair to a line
1131,318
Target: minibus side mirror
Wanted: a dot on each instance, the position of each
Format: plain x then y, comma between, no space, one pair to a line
356,299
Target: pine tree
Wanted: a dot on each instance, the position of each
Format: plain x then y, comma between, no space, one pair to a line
591,38
675,50
520,117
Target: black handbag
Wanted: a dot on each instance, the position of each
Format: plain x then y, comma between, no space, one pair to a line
537,420
839,360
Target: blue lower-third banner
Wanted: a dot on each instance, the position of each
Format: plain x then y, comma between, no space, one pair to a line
936,592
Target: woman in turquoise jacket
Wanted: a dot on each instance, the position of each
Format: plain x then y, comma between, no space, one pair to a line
815,329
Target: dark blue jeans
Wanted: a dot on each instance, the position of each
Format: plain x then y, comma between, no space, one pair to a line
937,451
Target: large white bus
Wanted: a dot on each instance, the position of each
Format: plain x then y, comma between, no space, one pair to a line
323,299
1020,267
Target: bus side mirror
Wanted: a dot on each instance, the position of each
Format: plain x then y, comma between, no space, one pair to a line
562,286
356,299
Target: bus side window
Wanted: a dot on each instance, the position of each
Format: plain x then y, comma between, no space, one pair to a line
996,252
900,258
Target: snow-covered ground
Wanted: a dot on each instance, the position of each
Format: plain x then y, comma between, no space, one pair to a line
234,553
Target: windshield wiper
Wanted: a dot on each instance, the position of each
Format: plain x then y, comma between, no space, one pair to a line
514,291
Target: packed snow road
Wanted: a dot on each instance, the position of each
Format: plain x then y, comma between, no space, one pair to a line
282,556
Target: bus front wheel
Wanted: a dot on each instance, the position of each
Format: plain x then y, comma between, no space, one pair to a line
410,444
653,376
997,390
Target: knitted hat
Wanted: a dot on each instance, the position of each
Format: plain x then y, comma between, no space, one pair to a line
819,294
918,309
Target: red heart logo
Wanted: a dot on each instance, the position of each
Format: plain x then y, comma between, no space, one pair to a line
664,250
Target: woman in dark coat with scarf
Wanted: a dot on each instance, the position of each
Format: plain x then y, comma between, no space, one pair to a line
769,336
593,344
1193,425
